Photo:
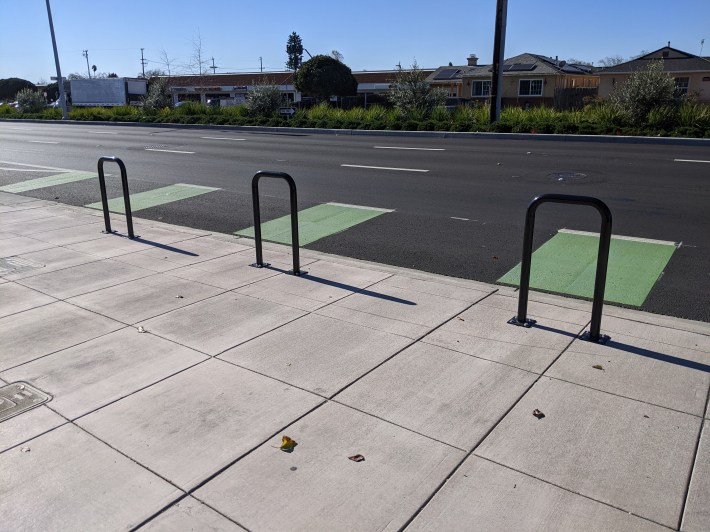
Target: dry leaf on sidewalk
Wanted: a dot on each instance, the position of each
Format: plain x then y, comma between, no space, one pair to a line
538,414
287,444
357,458
598,366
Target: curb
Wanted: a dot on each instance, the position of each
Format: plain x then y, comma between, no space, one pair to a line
610,139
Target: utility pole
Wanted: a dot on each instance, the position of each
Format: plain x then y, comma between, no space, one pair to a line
86,54
214,68
261,65
143,61
498,59
60,81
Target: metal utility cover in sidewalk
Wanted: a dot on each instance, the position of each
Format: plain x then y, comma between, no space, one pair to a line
153,198
18,397
315,223
567,264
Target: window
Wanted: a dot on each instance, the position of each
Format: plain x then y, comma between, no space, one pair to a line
530,87
481,88
681,86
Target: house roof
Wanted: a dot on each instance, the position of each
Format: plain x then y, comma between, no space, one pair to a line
448,74
677,61
526,65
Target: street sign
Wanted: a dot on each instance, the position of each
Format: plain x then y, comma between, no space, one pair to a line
289,111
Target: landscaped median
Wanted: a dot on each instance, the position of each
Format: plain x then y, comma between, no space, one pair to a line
687,120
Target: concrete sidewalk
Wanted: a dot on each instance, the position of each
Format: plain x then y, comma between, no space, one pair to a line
175,368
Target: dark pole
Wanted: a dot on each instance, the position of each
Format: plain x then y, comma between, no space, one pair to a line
60,81
498,60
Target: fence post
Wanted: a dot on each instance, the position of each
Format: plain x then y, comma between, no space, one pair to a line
520,319
294,219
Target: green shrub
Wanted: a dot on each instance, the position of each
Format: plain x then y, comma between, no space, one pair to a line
264,99
693,114
662,117
410,125
7,111
30,101
644,90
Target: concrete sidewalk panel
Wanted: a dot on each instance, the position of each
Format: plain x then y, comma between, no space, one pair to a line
73,235
428,310
191,514
221,322
697,509
90,375
189,426
227,273
631,455
652,372
448,396
542,311
50,260
147,238
44,330
484,496
452,291
25,215
325,282
373,321
317,353
483,331
7,198
658,334
25,426
316,487
19,245
84,278
144,298
85,485
41,225
15,298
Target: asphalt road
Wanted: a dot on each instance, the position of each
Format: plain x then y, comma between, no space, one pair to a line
459,204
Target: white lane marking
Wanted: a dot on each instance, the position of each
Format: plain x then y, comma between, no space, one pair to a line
689,161
363,207
221,138
22,128
405,148
103,132
23,170
38,166
384,168
196,186
168,151
44,141
620,237
457,218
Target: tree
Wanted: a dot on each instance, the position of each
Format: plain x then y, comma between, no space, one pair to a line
11,86
166,60
294,49
410,92
322,77
265,98
336,55
152,73
574,61
644,90
30,101
158,96
198,60
611,60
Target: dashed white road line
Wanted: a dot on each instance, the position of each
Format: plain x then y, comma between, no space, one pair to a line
384,168
689,161
457,218
103,132
406,148
37,166
363,207
221,138
169,151
44,141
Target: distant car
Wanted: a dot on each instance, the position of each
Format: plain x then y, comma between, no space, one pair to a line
14,104
180,104
55,104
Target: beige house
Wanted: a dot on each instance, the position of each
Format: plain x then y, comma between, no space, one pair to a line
691,72
531,80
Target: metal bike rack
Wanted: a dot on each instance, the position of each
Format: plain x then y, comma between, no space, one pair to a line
126,198
294,219
593,335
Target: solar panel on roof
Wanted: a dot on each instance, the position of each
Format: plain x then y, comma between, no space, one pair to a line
448,73
521,67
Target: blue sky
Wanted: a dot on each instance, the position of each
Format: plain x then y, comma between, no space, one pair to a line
371,35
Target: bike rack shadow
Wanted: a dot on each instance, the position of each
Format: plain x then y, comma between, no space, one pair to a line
353,289
126,198
294,219
593,335
165,247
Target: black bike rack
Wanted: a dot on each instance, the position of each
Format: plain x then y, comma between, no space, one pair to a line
126,198
294,219
593,335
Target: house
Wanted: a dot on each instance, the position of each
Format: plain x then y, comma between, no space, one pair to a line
450,78
232,89
533,80
691,72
